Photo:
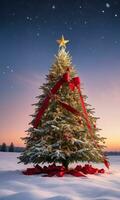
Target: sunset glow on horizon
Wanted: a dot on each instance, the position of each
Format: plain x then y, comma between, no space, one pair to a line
21,108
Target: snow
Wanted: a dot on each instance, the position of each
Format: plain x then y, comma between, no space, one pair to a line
16,186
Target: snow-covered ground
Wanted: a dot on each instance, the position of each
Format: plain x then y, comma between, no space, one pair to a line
16,186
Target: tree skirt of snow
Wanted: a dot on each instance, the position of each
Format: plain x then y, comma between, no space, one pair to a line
16,186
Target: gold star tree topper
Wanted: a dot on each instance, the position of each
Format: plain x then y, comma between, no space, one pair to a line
62,42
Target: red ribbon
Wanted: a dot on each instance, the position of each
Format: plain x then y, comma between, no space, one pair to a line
75,82
53,170
107,164
69,108
66,78
45,103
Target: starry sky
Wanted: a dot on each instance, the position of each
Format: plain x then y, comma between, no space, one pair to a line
28,33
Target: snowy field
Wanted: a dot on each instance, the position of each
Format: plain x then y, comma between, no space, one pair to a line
16,186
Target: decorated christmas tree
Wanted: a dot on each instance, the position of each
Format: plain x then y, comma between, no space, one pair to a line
63,129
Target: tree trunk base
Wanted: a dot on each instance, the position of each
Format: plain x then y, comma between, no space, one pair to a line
65,164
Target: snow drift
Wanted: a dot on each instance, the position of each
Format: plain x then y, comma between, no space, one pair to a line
16,186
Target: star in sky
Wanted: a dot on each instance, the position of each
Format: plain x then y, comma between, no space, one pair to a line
53,7
29,18
107,5
85,22
7,70
38,34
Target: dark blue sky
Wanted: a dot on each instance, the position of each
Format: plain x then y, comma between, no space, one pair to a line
29,29
28,33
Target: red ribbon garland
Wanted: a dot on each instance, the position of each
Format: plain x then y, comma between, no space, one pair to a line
75,82
69,108
45,103
53,170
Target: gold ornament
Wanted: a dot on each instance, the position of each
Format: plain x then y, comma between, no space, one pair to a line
62,42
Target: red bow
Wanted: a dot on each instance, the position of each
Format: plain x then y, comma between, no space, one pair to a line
75,82
53,170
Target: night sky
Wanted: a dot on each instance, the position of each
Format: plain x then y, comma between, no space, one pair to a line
28,33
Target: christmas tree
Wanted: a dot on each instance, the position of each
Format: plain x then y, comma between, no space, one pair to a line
63,129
